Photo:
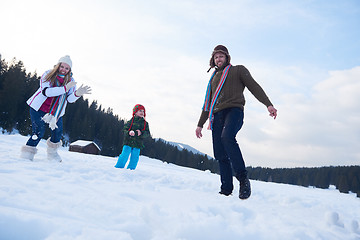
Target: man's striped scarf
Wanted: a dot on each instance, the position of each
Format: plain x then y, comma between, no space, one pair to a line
209,106
56,108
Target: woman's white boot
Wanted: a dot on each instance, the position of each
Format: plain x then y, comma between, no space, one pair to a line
52,150
28,152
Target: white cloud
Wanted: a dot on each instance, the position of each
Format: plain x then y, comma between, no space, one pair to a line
315,130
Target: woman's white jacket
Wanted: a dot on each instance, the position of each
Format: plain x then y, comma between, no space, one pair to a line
38,98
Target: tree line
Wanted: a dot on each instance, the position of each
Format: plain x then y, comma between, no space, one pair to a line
345,178
92,122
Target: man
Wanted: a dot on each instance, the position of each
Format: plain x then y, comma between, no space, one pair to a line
224,106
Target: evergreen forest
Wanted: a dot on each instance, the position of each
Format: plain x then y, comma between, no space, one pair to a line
86,120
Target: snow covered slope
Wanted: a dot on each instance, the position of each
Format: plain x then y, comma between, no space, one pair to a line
85,197
182,146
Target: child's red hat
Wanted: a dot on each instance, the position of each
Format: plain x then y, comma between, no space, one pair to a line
137,108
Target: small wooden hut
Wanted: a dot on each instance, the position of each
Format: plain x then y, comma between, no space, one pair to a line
83,146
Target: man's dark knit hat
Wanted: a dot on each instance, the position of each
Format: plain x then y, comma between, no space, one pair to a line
221,49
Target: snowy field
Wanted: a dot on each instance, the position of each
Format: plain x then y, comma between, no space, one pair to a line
85,197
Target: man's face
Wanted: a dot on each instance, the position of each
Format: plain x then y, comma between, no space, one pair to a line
219,59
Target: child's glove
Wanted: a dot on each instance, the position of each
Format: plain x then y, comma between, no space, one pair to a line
138,132
132,133
83,90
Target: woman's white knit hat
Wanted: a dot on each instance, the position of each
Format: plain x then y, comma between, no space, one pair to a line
66,59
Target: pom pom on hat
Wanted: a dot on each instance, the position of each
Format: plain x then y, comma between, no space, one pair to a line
137,108
66,59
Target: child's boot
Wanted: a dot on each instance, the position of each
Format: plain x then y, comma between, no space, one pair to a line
28,152
52,150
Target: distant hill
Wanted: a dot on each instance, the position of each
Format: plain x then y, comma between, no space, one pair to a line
182,146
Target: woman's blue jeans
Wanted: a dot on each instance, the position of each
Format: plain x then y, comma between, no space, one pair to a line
226,124
124,156
38,128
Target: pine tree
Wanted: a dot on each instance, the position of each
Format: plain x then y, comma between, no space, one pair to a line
343,184
11,95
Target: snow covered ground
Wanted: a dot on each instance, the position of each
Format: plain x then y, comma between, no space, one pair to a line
85,197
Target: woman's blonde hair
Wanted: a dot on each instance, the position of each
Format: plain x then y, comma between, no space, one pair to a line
51,76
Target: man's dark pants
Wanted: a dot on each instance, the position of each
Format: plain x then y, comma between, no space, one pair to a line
226,124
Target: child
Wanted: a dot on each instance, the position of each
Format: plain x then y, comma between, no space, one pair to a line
135,131
47,105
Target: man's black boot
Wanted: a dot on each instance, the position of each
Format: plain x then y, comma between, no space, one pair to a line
245,188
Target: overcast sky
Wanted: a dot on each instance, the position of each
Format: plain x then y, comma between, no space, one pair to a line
305,54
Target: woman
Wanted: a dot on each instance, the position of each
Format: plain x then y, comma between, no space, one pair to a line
48,104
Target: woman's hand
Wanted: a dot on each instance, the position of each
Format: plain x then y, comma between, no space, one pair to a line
83,90
69,85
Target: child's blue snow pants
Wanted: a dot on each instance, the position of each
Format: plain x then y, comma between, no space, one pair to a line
124,156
